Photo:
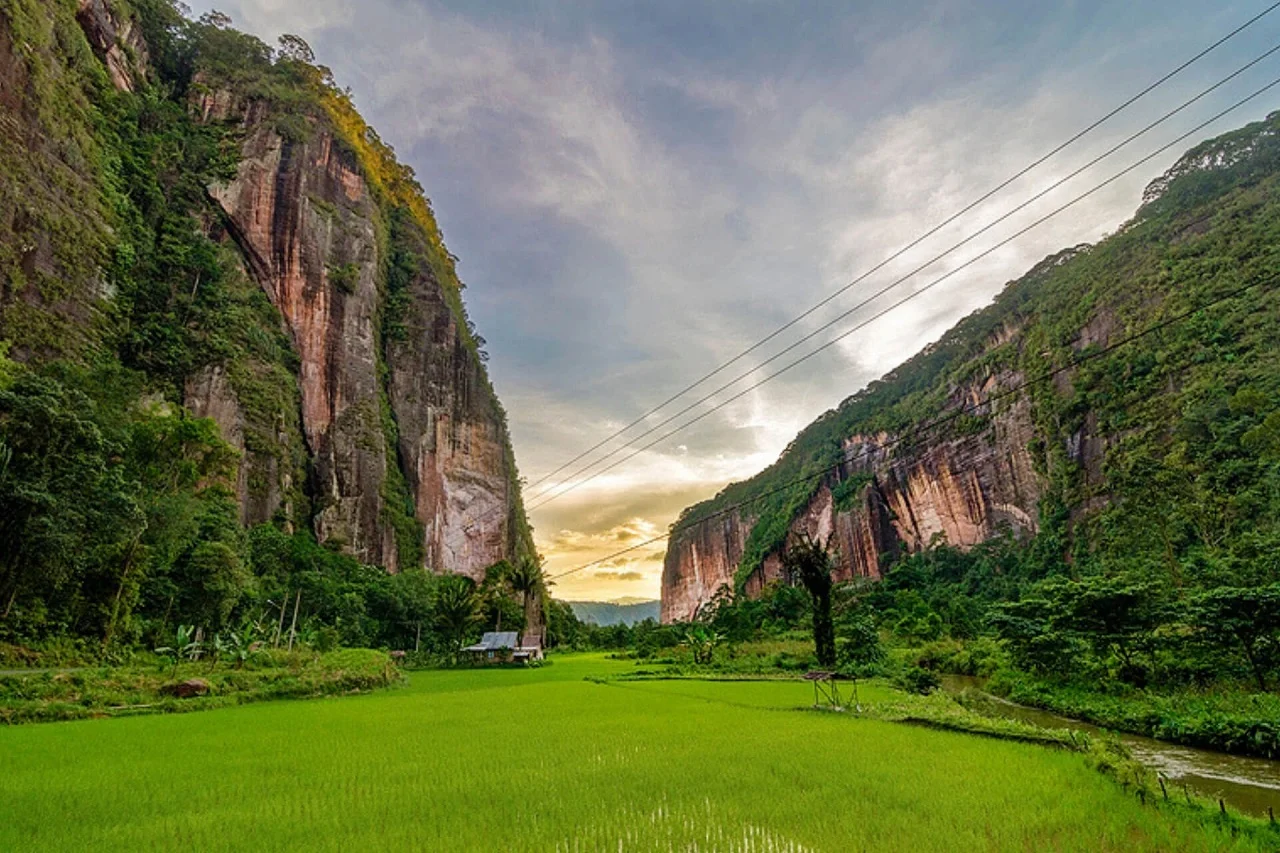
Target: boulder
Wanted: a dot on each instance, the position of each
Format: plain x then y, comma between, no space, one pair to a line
186,689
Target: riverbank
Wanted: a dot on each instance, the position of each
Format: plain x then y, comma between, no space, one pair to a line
93,692
1235,723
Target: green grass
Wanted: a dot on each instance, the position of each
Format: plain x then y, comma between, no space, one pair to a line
544,760
46,696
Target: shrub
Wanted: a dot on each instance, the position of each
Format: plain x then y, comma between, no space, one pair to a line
915,679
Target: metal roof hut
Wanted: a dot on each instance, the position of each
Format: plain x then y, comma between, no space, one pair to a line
494,647
530,648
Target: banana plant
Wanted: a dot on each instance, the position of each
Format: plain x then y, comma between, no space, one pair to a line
242,645
702,641
217,649
184,645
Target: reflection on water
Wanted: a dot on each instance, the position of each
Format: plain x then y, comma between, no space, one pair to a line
1250,785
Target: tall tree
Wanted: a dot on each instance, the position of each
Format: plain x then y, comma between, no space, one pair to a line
1244,620
808,562
526,579
457,609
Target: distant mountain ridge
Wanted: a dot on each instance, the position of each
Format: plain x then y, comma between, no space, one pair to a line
622,611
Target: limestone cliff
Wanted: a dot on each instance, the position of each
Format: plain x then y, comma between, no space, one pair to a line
958,489
377,410
300,212
1065,455
333,351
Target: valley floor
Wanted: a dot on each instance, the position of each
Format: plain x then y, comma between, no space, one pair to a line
541,759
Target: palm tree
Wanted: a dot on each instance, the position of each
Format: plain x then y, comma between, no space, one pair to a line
457,609
809,563
526,578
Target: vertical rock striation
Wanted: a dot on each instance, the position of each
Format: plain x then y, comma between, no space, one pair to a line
960,490
376,409
452,440
306,223
355,391
1003,425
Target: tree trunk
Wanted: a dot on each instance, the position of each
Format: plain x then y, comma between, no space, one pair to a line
284,604
293,627
115,605
824,633
1258,674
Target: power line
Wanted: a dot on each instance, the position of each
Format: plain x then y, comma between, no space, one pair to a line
862,324
960,412
916,242
544,499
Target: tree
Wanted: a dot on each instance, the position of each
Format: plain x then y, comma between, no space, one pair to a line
527,580
457,609
703,642
216,19
1113,615
296,48
809,563
1028,629
497,599
563,626
1246,620
858,647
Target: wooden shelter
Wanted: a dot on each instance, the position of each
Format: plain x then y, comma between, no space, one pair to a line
505,647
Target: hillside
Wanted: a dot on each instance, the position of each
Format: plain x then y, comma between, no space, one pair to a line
621,612
1157,458
233,347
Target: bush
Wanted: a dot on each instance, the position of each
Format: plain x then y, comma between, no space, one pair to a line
274,674
1239,723
981,657
915,679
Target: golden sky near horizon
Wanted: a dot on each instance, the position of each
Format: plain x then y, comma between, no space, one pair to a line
636,199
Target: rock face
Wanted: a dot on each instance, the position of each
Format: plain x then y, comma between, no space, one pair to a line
304,220
452,440
311,233
213,218
116,41
960,490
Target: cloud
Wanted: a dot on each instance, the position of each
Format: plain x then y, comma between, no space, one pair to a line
620,576
638,194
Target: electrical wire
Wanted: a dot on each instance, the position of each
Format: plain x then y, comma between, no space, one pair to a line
916,242
862,324
930,425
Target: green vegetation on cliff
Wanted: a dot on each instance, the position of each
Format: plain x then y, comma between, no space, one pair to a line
1189,475
121,298
1145,594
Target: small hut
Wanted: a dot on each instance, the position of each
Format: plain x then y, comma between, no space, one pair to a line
494,647
530,648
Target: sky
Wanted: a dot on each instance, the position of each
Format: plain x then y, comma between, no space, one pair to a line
639,191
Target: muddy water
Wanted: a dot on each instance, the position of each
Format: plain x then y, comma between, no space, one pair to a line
1249,785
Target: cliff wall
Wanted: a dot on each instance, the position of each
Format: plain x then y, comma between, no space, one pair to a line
406,443
995,429
334,352
960,490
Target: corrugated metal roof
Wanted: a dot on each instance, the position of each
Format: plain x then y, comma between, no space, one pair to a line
492,641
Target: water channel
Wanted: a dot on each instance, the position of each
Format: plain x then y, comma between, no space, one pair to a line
1248,785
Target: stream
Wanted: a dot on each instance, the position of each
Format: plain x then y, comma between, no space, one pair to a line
1247,785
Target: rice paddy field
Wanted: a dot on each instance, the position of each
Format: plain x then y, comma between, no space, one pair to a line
541,759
